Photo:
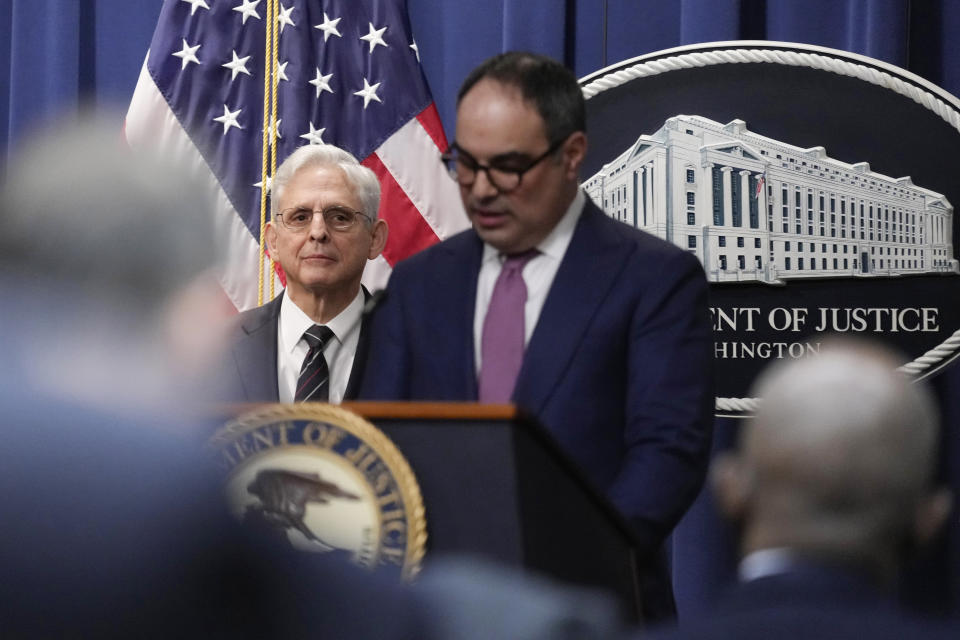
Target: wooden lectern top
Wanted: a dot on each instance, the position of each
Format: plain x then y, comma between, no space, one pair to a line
432,410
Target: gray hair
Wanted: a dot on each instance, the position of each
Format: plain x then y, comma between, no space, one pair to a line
851,441
109,254
363,180
82,208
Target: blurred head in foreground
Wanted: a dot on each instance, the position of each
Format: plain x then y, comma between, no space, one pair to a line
109,319
108,255
837,465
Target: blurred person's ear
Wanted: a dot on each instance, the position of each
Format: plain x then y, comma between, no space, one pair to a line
931,514
732,485
194,326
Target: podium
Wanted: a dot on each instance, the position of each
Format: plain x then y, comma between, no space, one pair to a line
496,485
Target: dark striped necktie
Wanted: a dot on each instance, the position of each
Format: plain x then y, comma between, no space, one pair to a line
314,381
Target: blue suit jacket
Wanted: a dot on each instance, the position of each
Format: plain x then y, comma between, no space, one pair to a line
808,602
618,368
250,374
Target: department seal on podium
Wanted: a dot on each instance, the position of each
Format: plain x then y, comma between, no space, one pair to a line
324,480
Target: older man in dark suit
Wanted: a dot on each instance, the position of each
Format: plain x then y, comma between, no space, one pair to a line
832,486
308,343
598,329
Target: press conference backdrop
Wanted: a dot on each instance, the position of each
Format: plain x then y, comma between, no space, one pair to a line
58,54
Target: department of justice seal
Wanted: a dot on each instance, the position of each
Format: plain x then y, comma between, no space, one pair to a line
816,187
323,479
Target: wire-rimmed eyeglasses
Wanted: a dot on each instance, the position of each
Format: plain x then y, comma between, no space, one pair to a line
335,218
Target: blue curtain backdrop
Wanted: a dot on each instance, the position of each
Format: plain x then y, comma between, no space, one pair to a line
57,54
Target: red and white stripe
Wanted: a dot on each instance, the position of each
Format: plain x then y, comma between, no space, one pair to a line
418,199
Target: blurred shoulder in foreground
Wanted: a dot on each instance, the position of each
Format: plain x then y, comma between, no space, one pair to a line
832,487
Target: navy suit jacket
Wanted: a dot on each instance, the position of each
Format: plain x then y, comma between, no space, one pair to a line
251,371
807,602
618,368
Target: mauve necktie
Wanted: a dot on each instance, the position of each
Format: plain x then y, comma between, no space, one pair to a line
314,381
501,347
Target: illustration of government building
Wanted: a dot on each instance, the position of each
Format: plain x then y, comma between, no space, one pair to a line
756,209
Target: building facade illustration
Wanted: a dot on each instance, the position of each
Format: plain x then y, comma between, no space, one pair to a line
756,209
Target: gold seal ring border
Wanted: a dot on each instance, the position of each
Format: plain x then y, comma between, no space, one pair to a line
363,430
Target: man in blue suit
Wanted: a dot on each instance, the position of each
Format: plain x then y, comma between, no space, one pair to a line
605,338
832,486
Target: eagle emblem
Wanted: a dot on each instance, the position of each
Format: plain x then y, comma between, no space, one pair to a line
283,497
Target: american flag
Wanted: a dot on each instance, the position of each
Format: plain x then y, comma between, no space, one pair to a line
348,73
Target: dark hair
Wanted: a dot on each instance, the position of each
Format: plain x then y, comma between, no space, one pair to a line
545,83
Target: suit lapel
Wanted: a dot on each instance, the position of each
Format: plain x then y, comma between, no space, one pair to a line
455,281
592,263
360,357
256,354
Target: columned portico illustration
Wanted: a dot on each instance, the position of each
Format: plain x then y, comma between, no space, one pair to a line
754,208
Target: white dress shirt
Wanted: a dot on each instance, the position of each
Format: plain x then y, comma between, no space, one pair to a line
538,275
765,562
338,352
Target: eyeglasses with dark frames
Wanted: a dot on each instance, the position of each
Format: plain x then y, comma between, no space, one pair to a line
504,174
335,218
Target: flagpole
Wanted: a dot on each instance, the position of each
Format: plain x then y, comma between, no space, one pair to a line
269,96
274,126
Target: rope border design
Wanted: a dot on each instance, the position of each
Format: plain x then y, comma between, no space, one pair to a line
794,59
